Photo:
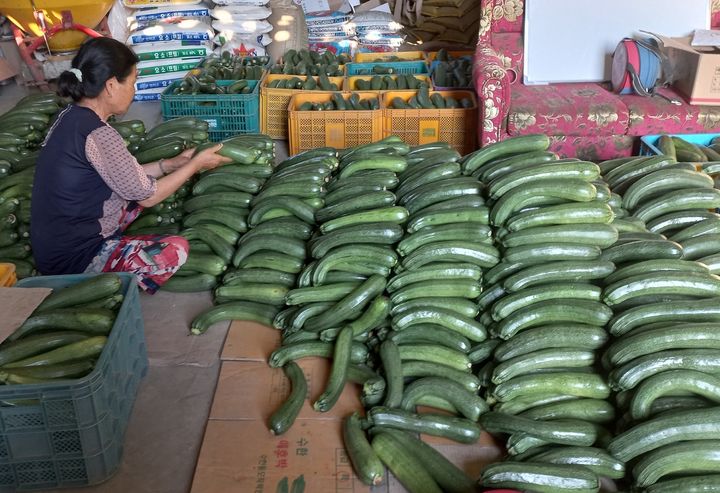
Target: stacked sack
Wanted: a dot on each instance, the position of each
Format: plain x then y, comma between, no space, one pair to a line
664,356
242,26
22,129
441,22
169,41
328,31
376,32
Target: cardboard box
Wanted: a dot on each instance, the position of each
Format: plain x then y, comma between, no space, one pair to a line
243,457
250,341
696,70
253,391
470,458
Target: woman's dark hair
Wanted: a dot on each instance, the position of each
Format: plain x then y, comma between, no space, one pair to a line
98,60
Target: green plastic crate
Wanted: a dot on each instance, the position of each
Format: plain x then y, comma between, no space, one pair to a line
70,433
227,114
417,67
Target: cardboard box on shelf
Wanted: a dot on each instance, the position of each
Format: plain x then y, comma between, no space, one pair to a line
253,390
249,341
243,457
696,70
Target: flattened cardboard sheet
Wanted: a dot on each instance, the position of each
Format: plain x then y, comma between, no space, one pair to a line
16,305
249,341
244,457
253,390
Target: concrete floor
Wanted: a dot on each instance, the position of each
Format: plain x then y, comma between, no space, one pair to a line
168,421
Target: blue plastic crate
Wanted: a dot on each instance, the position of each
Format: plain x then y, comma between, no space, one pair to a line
227,114
417,67
71,433
648,148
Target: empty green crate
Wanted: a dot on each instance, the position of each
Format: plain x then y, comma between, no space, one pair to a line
227,114
70,433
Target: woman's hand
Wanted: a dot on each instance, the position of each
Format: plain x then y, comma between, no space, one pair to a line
178,161
208,159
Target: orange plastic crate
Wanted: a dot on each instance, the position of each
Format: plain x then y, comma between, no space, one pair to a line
339,129
456,126
406,56
7,275
274,104
350,82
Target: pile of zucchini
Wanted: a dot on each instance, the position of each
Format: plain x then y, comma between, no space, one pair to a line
427,357
485,287
270,256
337,102
132,132
339,300
309,62
389,83
424,100
542,304
232,67
449,71
684,151
227,67
666,304
22,129
64,336
309,83
381,68
193,85
216,214
164,141
679,210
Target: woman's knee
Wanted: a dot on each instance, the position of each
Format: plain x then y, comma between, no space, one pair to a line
181,247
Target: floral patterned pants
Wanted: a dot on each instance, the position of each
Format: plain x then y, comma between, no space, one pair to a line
152,258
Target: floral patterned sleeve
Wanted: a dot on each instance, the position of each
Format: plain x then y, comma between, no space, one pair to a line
106,151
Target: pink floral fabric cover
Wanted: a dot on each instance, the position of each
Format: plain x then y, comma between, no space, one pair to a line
592,148
598,148
656,115
566,109
493,89
510,45
506,16
599,130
